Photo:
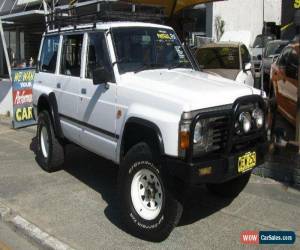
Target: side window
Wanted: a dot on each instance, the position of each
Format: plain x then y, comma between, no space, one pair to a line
97,53
71,55
245,55
49,54
284,57
292,65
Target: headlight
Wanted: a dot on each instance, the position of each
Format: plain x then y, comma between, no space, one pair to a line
245,121
258,116
198,134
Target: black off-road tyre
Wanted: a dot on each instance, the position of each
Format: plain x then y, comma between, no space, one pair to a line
232,188
138,159
56,154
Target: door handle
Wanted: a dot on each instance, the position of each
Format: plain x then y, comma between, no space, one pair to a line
58,85
83,91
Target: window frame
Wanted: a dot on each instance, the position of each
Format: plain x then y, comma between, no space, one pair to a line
86,54
39,66
81,54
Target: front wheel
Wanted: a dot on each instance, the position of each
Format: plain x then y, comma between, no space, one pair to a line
50,152
230,188
148,210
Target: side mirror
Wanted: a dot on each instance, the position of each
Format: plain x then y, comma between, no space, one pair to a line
259,57
246,67
101,75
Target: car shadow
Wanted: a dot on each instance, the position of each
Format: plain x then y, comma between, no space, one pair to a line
101,175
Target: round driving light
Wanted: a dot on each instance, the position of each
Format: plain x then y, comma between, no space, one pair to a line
258,116
198,134
245,121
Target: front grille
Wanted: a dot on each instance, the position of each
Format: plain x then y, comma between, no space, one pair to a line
223,135
219,131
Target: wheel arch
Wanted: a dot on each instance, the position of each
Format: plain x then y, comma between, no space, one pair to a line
49,103
142,130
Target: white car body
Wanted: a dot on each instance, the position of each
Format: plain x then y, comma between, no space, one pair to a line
159,95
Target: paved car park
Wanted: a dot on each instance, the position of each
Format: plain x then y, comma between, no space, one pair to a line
78,205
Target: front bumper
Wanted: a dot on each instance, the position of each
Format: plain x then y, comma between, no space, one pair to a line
223,168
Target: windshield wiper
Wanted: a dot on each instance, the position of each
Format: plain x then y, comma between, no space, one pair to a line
147,66
178,65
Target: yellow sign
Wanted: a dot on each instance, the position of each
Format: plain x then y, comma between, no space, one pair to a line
247,162
24,114
297,4
24,76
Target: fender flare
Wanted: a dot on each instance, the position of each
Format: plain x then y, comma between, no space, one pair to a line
52,102
148,124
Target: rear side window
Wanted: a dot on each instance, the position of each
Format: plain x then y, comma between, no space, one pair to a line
49,54
284,57
71,55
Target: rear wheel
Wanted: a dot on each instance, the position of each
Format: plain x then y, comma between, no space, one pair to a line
148,209
230,188
50,152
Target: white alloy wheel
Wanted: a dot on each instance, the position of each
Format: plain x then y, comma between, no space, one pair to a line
146,194
44,142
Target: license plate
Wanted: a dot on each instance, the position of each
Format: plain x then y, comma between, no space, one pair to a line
246,162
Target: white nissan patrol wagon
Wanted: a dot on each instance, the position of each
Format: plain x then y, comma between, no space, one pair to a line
131,93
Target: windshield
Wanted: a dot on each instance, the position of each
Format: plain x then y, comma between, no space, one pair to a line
144,48
274,49
219,58
260,41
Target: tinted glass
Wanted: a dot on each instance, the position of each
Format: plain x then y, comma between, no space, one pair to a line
219,58
292,65
71,55
245,55
97,54
145,48
274,49
284,57
49,54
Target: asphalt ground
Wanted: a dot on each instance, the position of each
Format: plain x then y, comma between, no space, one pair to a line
78,205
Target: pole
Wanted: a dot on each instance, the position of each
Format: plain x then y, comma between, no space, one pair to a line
46,13
5,49
262,71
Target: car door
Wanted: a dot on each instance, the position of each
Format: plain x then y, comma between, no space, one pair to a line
46,77
97,103
291,83
67,85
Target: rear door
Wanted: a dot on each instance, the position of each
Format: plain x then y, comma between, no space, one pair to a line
67,85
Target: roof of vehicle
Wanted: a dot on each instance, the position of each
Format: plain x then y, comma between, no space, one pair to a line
108,25
221,45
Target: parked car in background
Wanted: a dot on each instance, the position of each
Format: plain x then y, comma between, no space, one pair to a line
257,51
272,51
284,77
227,59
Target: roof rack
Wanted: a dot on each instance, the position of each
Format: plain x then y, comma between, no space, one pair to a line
103,11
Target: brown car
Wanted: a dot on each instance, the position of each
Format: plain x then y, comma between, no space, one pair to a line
284,78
